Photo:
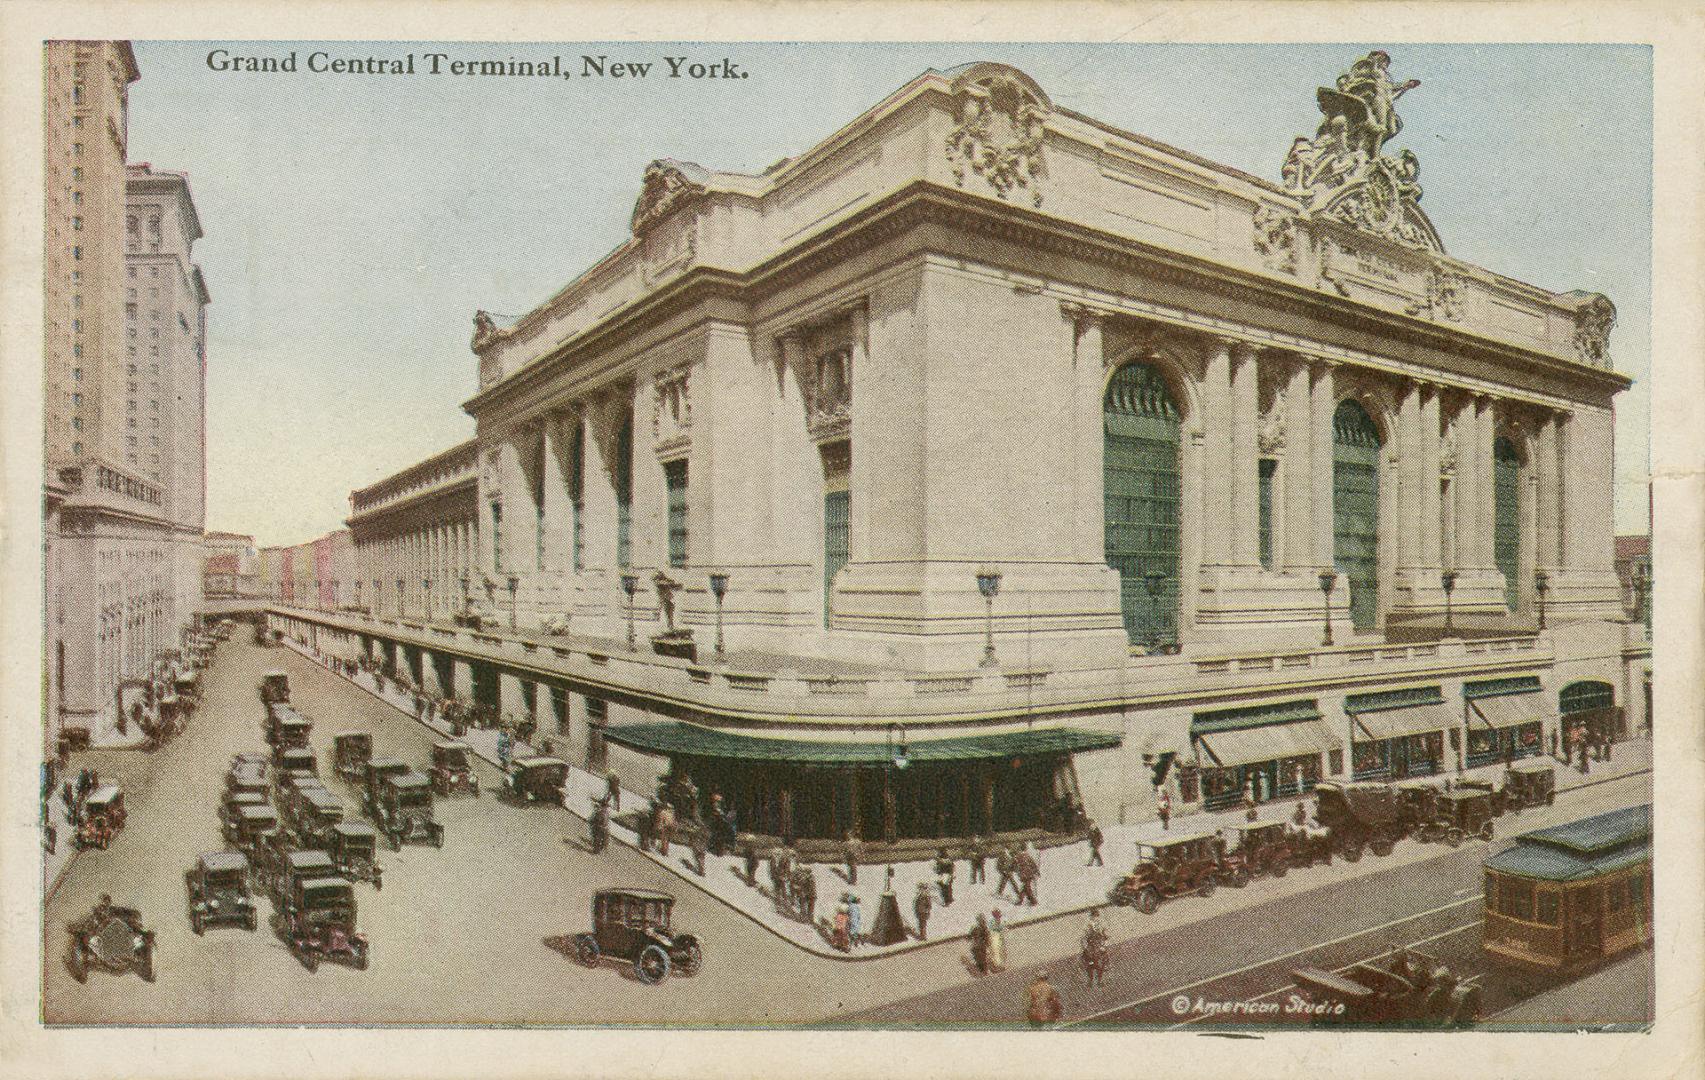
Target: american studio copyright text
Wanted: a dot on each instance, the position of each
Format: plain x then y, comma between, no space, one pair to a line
1293,1005
577,66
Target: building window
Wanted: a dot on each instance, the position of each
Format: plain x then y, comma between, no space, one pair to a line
77,374
496,537
1355,509
77,222
77,173
675,483
1506,517
577,490
624,490
837,512
1141,501
1267,468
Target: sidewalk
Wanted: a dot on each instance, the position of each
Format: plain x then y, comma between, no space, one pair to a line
1067,885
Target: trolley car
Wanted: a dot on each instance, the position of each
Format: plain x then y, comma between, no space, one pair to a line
1566,898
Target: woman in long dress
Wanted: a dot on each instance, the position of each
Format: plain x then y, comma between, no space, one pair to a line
997,944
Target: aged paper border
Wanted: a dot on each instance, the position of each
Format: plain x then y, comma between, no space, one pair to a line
1673,1048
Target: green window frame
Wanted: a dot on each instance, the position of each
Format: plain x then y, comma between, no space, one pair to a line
1355,509
1267,467
577,491
624,492
1506,517
837,514
496,536
675,484
1142,488
1584,695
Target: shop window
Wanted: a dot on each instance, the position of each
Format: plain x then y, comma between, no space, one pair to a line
1515,899
1549,907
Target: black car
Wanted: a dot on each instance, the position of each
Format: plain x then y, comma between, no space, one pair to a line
632,925
404,811
218,888
113,939
353,846
372,779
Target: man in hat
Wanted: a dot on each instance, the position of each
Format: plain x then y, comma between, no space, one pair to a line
1045,1007
921,908
1004,867
613,790
1095,839
854,852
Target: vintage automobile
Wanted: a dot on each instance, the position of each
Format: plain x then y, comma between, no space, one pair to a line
537,779
632,925
231,815
218,888
1461,815
1168,868
254,827
274,685
317,922
374,778
1254,849
314,811
250,760
286,729
1419,800
1530,783
350,753
353,847
112,939
292,764
102,817
1495,794
286,867
405,811
1404,989
1360,814
1310,843
452,771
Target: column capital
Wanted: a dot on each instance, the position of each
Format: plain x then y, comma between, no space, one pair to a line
1082,315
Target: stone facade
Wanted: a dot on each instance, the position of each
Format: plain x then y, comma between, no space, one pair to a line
1181,423
413,541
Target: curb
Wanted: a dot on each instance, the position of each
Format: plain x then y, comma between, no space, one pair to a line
827,954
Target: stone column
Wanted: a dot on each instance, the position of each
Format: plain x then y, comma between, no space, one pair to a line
1088,381
1547,471
1481,463
796,476
1323,404
557,435
1245,483
1218,525
648,534
858,509
1408,538
1296,474
1432,510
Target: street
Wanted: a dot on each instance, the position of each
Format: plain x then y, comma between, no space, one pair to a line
479,932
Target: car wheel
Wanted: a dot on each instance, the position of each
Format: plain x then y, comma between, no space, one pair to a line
1486,831
1239,878
1280,868
1352,852
396,841
1148,900
1206,887
79,970
475,787
690,955
251,921
361,958
1550,798
198,924
311,962
146,967
1454,837
1382,848
586,950
1467,1007
438,838
651,965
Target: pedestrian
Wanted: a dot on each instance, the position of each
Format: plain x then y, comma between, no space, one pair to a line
854,853
665,827
715,823
1249,803
944,876
997,943
503,747
613,790
751,847
1163,807
600,826
921,908
1045,1007
978,856
1028,870
647,826
855,919
842,928
1095,839
1300,818
697,841
806,889
1003,867
980,944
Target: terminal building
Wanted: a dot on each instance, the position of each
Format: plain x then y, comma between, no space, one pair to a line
986,466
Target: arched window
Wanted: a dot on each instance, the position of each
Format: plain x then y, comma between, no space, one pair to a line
1506,517
1355,509
1588,694
1140,443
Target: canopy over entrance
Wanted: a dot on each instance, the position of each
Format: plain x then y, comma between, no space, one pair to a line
692,740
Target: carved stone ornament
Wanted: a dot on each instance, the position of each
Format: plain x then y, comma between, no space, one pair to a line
1276,238
488,471
1444,294
828,392
1002,124
1344,172
486,330
1447,452
1593,322
671,407
1270,433
668,185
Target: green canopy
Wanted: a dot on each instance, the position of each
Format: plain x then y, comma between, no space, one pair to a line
690,740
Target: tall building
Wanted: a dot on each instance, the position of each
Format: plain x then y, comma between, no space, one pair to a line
124,362
986,460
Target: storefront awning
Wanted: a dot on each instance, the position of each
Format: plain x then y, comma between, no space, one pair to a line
1269,742
691,740
1506,710
1413,720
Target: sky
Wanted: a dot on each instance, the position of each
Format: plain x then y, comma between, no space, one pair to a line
355,222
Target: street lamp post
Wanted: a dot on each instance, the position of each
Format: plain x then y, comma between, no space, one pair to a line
514,584
719,589
988,583
630,585
1541,586
1447,582
1328,579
